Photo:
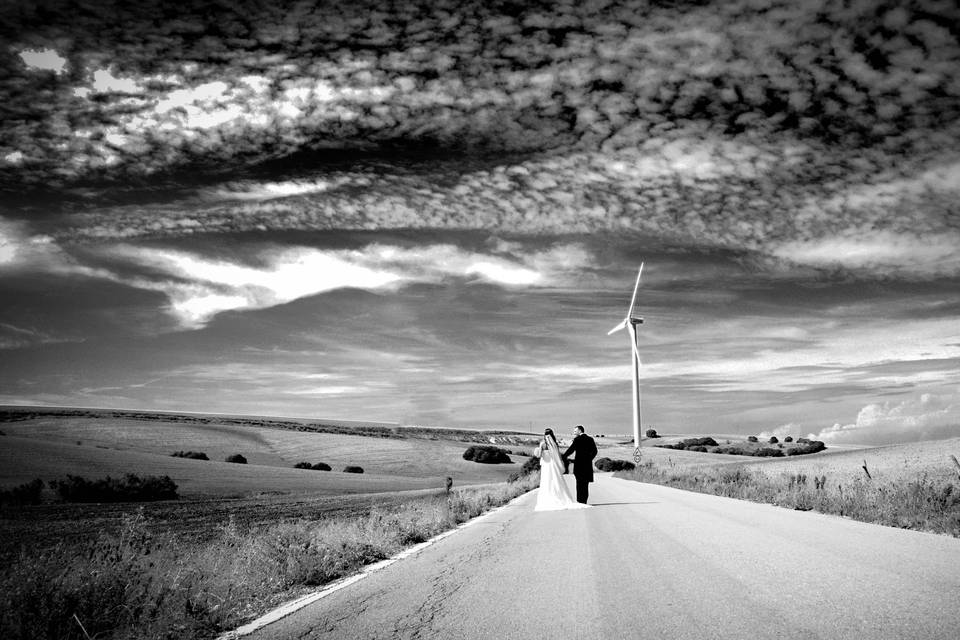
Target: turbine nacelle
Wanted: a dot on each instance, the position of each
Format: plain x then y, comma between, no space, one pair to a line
623,323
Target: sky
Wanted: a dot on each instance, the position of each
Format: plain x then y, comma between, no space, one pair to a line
432,213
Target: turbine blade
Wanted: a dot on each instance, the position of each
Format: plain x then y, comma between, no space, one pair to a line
622,324
633,299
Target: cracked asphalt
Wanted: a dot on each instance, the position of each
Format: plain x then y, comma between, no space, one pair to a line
652,562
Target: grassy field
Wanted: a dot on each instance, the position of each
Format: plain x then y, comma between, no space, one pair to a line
94,444
47,446
141,583
914,486
241,538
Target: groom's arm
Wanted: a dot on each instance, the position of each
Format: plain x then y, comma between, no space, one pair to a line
571,449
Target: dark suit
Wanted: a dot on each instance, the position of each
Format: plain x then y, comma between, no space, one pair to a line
584,450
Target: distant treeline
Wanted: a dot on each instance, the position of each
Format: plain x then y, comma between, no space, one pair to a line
360,429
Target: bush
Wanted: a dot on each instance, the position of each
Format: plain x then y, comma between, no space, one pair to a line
606,464
767,452
237,458
317,466
773,440
193,455
26,493
732,450
699,448
809,446
652,433
131,488
486,454
678,445
700,442
352,469
752,438
531,465
788,439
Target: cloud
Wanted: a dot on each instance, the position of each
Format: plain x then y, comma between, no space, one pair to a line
879,252
730,127
17,337
927,417
20,250
271,190
43,59
199,287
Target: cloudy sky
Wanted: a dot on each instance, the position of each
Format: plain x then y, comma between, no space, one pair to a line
432,213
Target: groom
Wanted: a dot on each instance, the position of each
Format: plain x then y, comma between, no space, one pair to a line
585,450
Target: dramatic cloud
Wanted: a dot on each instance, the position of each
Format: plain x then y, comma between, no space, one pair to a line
776,128
928,417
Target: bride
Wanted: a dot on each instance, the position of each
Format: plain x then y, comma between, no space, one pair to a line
554,493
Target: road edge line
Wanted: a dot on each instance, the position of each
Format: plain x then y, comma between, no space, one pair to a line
293,606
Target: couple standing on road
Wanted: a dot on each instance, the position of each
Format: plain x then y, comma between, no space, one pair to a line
554,493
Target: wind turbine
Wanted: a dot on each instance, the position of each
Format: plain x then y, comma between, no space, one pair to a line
630,322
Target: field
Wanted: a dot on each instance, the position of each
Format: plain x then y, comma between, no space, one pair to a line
913,486
241,537
893,463
398,465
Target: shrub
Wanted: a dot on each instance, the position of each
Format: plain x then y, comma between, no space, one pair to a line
652,433
193,455
130,488
606,464
752,438
531,465
767,452
352,469
699,448
700,442
809,446
317,466
26,493
773,440
678,445
732,450
237,458
486,454
788,439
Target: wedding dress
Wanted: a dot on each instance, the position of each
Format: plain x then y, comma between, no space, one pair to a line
554,494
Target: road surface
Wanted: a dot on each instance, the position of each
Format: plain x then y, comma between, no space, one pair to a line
653,562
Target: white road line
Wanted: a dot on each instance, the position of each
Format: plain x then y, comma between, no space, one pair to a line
303,601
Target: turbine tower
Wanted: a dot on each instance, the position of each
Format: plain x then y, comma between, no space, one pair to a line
630,322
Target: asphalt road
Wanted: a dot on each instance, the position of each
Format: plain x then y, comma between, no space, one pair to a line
653,562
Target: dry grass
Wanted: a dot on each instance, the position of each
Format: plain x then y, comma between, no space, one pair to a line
914,486
144,585
243,537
